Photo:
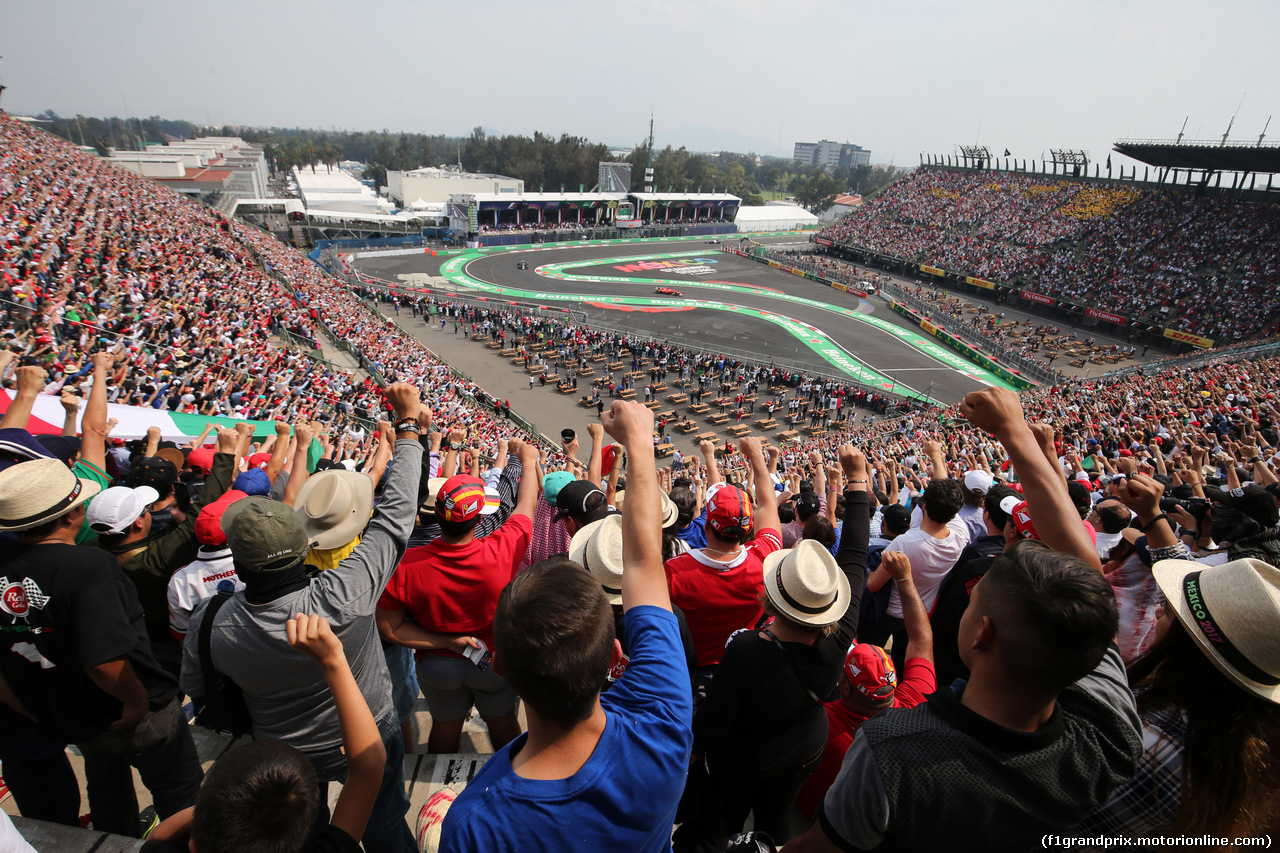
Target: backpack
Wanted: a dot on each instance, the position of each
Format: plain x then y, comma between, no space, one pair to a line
224,708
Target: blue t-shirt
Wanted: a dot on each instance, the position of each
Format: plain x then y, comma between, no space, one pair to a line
696,533
625,796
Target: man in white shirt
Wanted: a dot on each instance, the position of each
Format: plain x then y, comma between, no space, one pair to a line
933,549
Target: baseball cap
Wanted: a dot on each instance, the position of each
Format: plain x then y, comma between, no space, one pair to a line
574,497
114,509
201,459
461,498
553,483
895,517
1016,509
253,482
978,481
871,673
1253,501
729,513
209,521
264,535
258,460
154,471
808,502
63,447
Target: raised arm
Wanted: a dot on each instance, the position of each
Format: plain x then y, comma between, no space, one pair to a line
914,616
643,580
30,384
998,411
93,425
766,504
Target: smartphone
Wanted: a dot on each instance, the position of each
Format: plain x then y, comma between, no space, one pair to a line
482,657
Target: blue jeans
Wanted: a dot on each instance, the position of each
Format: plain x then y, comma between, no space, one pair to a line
387,830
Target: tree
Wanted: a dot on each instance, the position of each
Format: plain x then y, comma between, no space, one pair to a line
818,193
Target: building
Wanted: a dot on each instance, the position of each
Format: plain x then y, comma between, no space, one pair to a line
831,155
434,186
225,164
327,189
842,205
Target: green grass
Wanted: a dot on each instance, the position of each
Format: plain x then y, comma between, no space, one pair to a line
774,195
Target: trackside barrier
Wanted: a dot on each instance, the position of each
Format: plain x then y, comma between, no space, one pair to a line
1018,381
524,247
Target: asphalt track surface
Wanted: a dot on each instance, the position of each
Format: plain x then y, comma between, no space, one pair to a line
757,286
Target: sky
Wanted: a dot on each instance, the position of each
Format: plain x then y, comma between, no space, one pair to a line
896,78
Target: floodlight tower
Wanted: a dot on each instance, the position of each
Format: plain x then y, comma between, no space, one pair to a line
648,166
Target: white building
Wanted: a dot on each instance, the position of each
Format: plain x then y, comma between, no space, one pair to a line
238,168
434,186
329,189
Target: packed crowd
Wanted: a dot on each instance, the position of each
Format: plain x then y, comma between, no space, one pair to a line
1205,265
959,629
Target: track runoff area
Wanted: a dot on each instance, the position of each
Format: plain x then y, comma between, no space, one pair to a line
729,304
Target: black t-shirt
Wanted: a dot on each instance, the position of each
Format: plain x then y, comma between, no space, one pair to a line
329,840
64,608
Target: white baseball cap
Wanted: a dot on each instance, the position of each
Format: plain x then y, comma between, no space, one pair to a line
114,509
978,481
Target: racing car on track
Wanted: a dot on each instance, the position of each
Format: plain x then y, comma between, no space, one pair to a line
667,291
713,242
522,265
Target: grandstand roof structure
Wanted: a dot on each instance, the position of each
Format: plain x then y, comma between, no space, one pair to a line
1220,156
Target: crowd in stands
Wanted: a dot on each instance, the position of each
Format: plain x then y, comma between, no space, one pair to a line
1200,264
1052,614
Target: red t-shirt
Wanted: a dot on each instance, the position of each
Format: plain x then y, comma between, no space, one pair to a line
453,589
720,598
918,681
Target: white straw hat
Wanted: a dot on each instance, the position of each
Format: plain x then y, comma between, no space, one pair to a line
598,549
1231,611
41,490
669,510
805,584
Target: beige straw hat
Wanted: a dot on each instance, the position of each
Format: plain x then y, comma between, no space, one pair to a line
1232,612
41,490
334,506
805,584
598,549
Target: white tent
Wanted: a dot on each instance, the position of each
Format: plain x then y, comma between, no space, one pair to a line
773,217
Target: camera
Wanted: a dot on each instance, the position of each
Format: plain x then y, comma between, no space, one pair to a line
1198,507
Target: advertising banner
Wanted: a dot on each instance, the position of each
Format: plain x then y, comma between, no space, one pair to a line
1188,338
928,327
978,282
1037,297
932,270
822,241
1106,315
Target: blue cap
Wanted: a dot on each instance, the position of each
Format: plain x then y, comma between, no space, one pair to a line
253,482
554,482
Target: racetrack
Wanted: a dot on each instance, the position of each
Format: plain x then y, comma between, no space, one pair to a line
730,304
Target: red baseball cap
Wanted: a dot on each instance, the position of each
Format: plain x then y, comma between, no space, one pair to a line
730,512
461,498
1020,516
201,459
871,672
209,521
259,460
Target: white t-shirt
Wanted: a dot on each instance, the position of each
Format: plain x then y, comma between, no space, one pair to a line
931,559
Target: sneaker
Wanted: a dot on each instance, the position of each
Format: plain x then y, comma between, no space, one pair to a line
149,820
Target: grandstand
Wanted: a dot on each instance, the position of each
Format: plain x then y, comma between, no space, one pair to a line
1159,260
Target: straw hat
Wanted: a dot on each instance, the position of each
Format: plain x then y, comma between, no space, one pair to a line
598,549
1231,611
32,493
334,506
805,584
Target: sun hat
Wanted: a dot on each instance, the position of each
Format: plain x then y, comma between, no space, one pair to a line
670,512
431,819
805,584
116,508
597,547
871,672
209,520
553,483
1231,612
334,507
40,490
264,535
174,455
433,489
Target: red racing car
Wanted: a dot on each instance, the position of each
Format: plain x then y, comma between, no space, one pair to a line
667,291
